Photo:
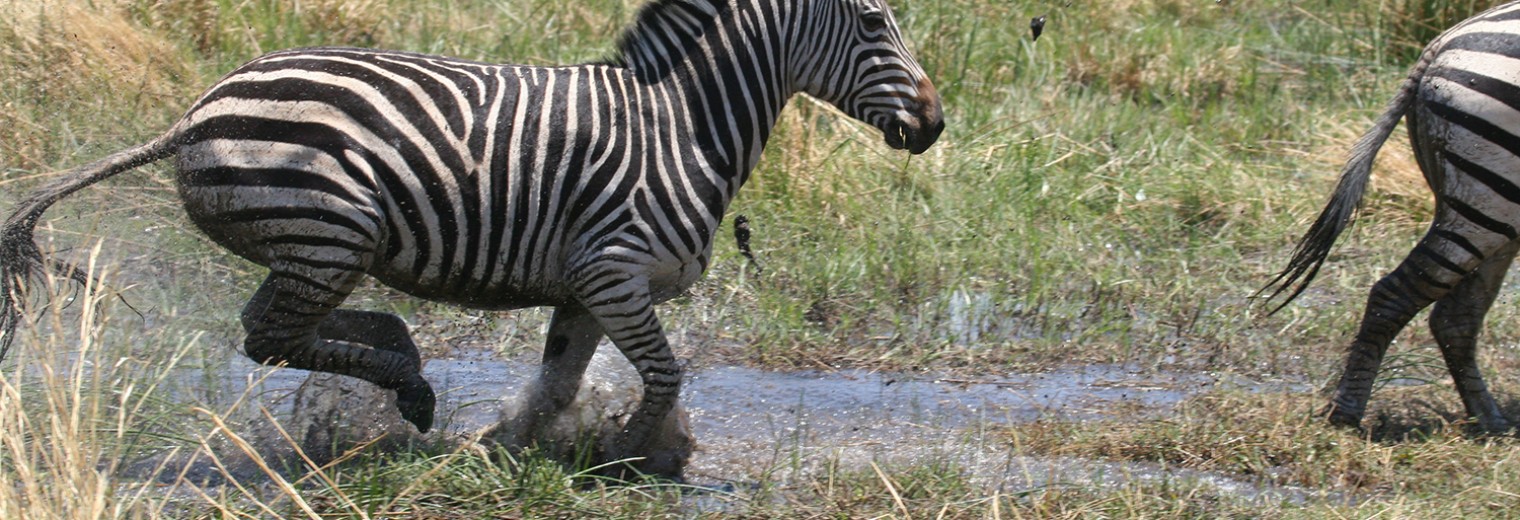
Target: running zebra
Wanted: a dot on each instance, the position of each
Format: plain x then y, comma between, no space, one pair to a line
596,189
1462,101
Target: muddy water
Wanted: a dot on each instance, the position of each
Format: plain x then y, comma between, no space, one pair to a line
744,403
753,425
737,400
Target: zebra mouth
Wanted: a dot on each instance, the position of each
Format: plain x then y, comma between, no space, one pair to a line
915,138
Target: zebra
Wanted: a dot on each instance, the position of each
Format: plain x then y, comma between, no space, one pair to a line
1462,104
595,189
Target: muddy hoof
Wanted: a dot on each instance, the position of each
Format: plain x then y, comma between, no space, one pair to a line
1341,418
664,458
415,400
1494,427
641,470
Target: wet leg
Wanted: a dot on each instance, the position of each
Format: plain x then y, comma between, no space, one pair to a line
376,329
287,324
621,303
573,335
1456,322
1426,275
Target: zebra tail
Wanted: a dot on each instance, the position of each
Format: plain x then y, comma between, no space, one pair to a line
1342,208
20,259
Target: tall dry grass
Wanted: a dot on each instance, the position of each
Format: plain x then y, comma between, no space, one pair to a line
59,57
91,428
67,418
1410,24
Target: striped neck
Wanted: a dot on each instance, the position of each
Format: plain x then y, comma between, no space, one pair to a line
665,33
724,63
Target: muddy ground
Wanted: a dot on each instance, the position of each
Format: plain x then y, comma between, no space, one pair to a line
754,426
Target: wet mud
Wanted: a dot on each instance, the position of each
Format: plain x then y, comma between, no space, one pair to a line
752,425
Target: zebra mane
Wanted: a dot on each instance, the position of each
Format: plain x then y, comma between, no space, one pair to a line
663,32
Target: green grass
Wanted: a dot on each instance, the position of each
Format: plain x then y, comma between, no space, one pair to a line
1412,464
1112,193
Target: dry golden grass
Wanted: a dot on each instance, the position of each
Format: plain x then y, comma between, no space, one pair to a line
63,55
60,435
1154,75
86,40
1397,195
215,28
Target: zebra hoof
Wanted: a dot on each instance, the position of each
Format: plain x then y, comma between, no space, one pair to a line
1495,426
415,400
1339,417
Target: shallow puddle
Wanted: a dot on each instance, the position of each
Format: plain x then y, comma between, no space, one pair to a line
735,401
744,402
751,422
753,425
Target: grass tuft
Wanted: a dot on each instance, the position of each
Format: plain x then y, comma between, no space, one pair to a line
1281,440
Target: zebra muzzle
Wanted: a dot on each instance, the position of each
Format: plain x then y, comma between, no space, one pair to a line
915,137
918,127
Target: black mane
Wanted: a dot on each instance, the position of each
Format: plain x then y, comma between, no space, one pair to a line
676,26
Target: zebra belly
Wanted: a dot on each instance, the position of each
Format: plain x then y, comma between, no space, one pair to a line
672,277
498,296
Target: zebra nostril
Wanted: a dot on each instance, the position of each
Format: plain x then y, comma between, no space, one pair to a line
925,135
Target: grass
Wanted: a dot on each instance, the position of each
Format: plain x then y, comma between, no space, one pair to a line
1111,193
1411,464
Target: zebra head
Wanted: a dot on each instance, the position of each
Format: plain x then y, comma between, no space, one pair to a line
851,54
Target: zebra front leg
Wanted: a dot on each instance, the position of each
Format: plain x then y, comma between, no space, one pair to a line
1426,275
293,320
624,308
573,335
1456,322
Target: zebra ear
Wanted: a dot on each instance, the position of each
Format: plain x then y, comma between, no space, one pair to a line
663,34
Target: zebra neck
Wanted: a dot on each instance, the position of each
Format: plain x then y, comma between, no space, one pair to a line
665,33
720,63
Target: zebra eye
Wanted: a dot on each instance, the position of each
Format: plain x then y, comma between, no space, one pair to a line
873,21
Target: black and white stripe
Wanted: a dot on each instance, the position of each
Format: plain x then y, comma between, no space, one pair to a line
596,189
1462,104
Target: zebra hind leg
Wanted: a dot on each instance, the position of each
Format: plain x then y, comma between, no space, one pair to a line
1456,322
380,330
376,329
1425,276
293,320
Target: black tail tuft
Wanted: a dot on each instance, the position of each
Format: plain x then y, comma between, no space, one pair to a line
22,263
1314,247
